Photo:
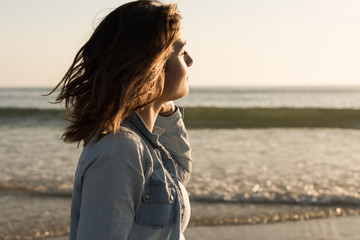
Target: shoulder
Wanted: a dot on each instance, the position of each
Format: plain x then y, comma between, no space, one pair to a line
124,141
125,136
114,149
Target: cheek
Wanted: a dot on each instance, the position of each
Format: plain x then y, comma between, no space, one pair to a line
175,80
176,73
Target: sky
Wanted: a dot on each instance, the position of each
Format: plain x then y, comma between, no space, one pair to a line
232,42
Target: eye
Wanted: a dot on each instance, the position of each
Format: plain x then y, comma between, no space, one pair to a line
184,53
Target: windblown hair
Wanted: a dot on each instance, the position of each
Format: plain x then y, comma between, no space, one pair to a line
119,70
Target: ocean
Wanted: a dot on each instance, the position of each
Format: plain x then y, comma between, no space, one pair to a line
270,168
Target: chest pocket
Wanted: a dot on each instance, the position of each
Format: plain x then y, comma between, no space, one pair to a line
158,206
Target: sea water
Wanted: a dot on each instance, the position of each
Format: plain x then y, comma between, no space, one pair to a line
239,175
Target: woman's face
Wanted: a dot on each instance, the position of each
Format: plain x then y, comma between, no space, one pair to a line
176,72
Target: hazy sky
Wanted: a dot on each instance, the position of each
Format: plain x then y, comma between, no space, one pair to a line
232,42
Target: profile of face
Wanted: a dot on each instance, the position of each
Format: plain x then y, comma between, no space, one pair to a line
176,72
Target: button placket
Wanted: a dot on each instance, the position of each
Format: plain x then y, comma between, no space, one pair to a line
169,171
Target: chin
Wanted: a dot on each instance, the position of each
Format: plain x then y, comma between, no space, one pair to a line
178,95
184,92
175,93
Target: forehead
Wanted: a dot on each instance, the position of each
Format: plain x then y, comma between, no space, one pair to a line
179,43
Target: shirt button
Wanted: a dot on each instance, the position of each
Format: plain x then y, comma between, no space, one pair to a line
171,198
147,196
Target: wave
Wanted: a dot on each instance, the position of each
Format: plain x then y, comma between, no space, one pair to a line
287,199
260,199
240,214
213,117
43,190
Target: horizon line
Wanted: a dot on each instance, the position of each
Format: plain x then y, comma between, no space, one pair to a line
221,86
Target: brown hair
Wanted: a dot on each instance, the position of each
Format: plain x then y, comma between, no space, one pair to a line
119,70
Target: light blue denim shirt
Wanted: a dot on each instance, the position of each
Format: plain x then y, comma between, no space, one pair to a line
127,184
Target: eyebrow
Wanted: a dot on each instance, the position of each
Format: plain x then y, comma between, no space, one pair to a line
182,44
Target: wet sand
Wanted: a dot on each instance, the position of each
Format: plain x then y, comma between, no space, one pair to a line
340,228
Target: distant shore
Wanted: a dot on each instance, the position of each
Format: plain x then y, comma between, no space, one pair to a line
212,117
215,117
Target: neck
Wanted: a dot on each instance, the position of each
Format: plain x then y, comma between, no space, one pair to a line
149,114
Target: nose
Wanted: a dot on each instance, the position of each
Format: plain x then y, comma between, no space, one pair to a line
188,60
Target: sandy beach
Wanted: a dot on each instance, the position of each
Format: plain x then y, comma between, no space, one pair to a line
340,228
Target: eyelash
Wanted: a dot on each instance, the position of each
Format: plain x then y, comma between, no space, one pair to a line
184,53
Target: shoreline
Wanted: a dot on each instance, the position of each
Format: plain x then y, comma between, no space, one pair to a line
338,228
48,218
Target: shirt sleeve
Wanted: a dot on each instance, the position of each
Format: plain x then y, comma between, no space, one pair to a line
176,140
111,189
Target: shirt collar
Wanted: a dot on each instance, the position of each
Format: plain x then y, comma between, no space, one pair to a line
152,137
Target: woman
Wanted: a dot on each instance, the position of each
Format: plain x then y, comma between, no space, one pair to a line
129,183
